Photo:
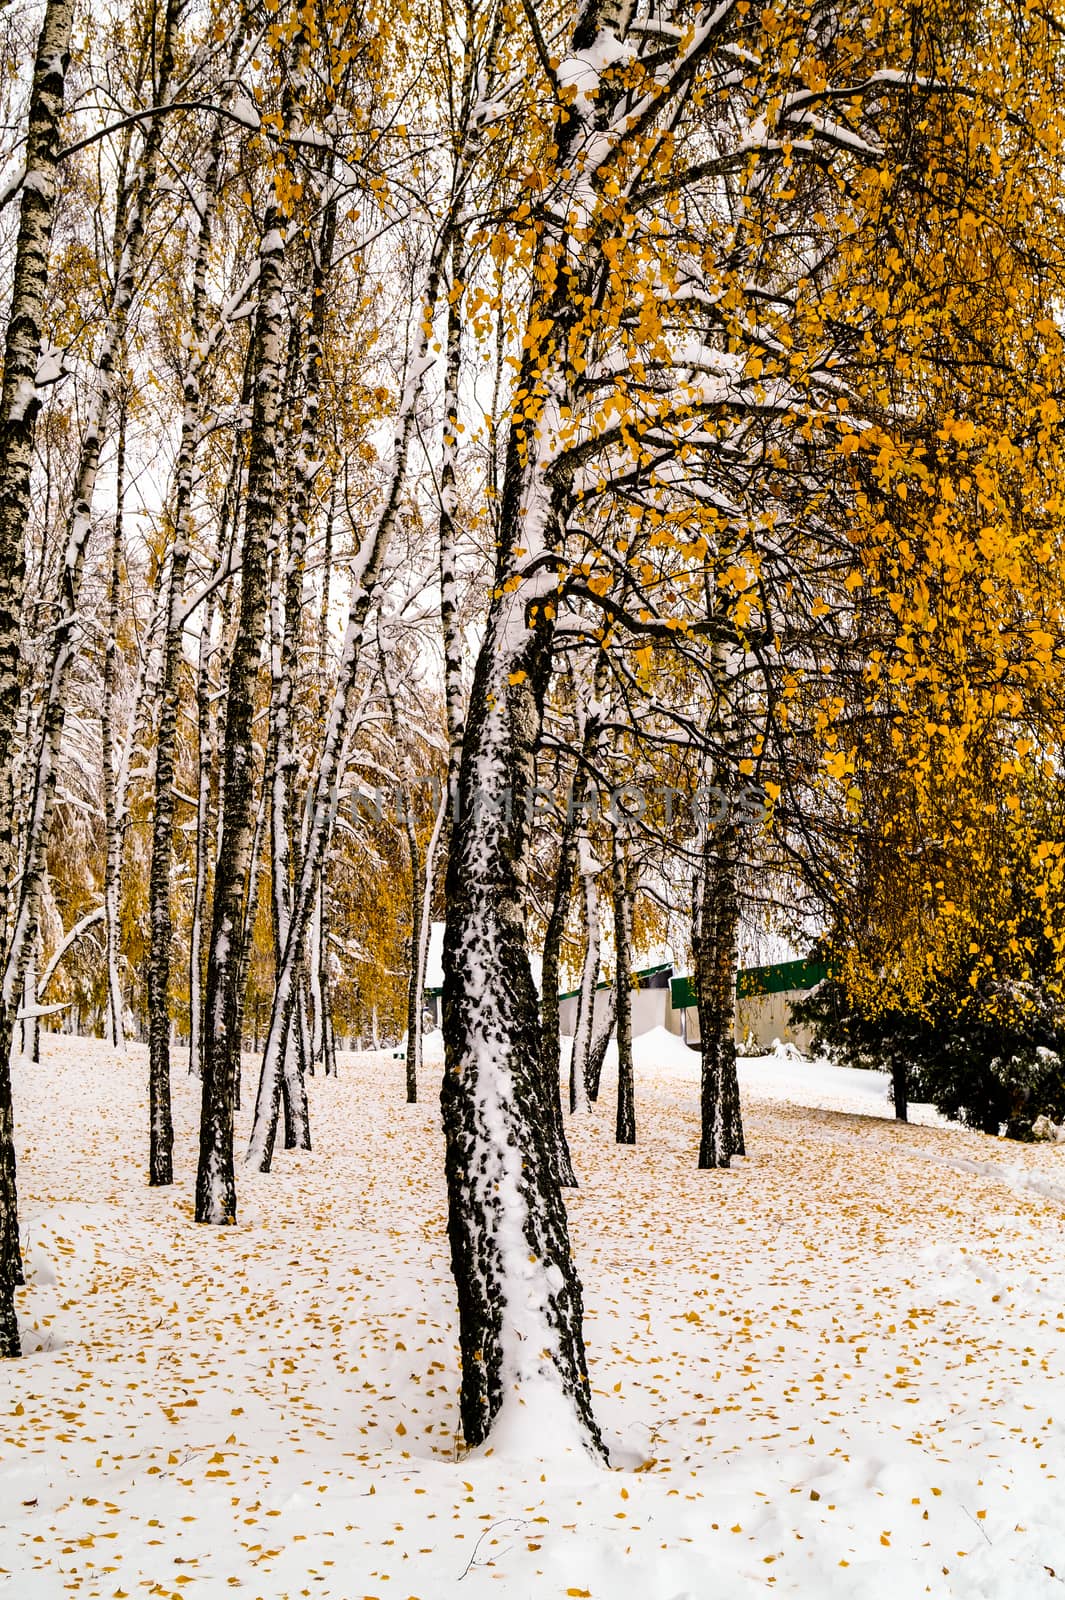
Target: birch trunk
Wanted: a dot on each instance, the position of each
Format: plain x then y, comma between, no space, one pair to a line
247,934
520,1302
601,1044
28,1022
588,726
584,1032
160,1120
519,1297
113,863
321,1034
521,1336
447,531
206,742
414,999
20,401
203,834
316,984
625,1125
215,1186
278,763
19,405
297,1123
424,927
715,931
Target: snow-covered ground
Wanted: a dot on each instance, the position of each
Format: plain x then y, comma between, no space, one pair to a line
835,1371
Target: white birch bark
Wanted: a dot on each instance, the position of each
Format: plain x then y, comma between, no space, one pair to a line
116,1032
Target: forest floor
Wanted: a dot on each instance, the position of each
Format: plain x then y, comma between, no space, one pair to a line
835,1371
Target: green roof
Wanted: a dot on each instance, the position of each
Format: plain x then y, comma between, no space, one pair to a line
780,977
607,983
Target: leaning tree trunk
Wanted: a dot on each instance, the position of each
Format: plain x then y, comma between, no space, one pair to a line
900,1090
216,1200
601,1044
19,405
520,1301
519,1296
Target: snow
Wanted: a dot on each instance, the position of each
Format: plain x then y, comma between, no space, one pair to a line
434,957
833,1371
25,395
49,364
10,186
837,133
245,111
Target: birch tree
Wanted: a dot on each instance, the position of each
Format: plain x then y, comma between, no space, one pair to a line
656,372
18,414
223,1007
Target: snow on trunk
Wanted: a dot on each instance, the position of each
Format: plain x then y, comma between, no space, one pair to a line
19,405
520,1300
